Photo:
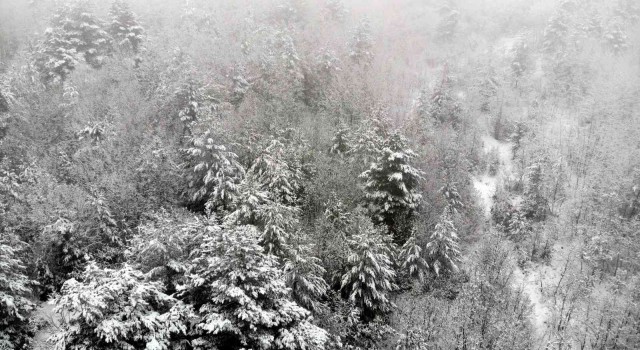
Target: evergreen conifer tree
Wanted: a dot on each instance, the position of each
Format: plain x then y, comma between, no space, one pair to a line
240,295
119,309
212,172
535,204
361,44
75,33
391,186
370,276
15,303
410,259
124,27
443,248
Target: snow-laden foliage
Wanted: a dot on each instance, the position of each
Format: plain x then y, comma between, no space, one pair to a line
212,172
124,27
304,275
555,39
240,295
361,44
163,245
370,276
118,309
391,185
75,33
452,197
335,9
56,57
439,104
535,203
616,39
520,56
443,248
275,221
277,176
370,137
341,143
411,261
448,25
15,305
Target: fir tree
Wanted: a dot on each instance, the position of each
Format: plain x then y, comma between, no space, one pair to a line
212,173
163,244
391,186
335,9
439,105
520,52
555,39
56,57
241,297
452,197
276,221
276,176
448,24
410,259
303,274
535,204
118,309
341,143
616,39
75,33
443,249
370,275
124,26
15,304
361,44
370,137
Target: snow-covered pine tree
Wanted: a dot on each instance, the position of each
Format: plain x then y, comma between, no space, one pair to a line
452,197
212,173
555,39
15,303
276,176
255,206
304,275
75,32
370,137
241,297
84,30
410,259
535,204
56,57
163,245
370,277
120,310
448,24
391,186
616,39
520,56
439,104
335,10
361,44
124,27
341,143
443,249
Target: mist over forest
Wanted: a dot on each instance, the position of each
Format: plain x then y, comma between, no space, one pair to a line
319,174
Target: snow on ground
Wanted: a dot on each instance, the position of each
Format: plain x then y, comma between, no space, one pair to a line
45,314
531,287
486,186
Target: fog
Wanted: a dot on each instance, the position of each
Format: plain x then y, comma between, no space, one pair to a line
319,174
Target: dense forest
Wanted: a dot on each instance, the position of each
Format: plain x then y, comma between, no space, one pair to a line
319,174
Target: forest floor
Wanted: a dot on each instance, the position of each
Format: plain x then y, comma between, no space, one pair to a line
49,322
529,280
